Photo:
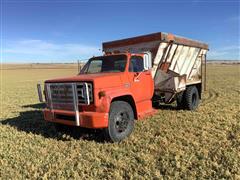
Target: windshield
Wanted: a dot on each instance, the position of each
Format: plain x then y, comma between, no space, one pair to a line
116,63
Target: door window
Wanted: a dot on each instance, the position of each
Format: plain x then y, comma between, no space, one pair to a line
136,64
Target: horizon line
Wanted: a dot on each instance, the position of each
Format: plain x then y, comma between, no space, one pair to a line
87,59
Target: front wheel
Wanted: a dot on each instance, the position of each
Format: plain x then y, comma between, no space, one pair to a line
120,121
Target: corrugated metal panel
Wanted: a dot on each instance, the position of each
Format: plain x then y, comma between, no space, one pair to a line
175,59
171,53
158,57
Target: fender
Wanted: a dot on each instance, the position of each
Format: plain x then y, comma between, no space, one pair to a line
110,94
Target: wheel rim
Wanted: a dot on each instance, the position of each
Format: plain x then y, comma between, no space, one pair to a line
121,121
194,99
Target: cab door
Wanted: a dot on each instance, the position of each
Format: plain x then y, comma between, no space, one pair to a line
141,81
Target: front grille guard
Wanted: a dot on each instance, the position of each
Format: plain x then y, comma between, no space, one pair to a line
74,93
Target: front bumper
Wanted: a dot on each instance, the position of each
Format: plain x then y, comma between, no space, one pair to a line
86,119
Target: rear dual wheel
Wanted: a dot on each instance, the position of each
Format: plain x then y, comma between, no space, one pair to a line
120,121
189,99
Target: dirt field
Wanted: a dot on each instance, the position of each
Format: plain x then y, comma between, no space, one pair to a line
172,144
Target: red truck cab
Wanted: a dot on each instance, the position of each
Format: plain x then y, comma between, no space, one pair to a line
109,92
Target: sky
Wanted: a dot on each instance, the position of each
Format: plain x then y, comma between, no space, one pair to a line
35,31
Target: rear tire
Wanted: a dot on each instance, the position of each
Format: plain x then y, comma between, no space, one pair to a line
120,121
191,98
180,100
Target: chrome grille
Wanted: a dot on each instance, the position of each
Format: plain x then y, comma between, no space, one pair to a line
61,95
84,91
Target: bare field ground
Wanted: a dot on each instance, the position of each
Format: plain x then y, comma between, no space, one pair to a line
39,66
172,144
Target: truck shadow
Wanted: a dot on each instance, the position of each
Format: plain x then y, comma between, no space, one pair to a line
38,106
32,122
171,107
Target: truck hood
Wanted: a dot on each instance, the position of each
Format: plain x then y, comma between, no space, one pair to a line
100,80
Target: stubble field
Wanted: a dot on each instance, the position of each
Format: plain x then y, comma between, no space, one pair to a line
172,144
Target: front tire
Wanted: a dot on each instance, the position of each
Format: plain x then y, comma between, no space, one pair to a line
120,121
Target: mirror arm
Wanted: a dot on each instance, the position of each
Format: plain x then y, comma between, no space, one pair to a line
139,73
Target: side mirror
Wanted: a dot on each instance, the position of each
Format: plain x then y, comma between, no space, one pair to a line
40,96
147,61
